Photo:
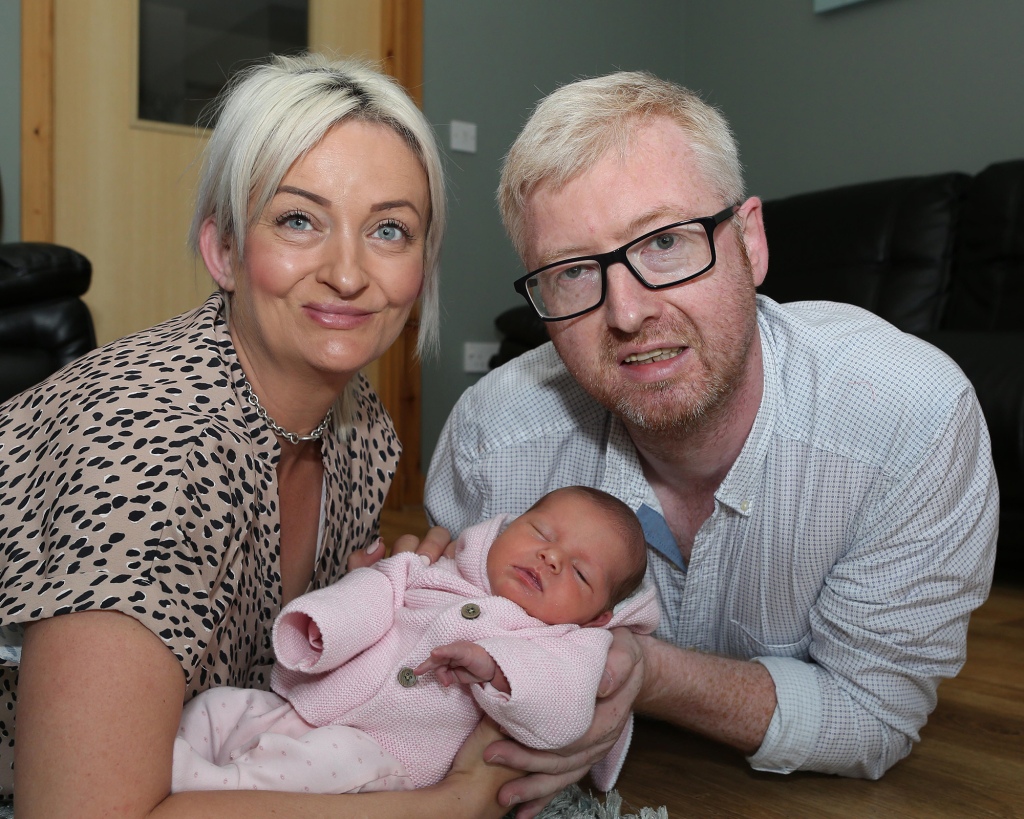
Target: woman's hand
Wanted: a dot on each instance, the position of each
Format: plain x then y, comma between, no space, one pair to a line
471,778
551,771
435,543
362,558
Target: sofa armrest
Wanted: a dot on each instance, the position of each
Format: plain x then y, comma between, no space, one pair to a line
43,322
993,363
36,271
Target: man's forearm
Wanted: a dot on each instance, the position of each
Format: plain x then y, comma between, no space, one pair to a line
730,701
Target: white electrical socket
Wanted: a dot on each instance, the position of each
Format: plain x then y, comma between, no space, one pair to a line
476,355
463,136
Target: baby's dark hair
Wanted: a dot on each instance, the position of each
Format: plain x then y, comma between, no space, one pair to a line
632,533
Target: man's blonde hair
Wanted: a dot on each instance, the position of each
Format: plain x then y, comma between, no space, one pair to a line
572,128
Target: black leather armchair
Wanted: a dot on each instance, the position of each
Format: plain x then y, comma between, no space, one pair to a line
43,322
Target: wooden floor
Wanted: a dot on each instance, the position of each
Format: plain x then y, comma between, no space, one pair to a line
970,761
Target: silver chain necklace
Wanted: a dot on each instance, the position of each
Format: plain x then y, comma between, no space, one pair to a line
276,428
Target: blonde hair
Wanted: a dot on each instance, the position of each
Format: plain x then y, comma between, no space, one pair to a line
572,128
271,114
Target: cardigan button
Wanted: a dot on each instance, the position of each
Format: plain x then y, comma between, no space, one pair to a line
471,611
406,678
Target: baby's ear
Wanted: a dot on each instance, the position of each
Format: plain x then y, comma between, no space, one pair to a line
600,620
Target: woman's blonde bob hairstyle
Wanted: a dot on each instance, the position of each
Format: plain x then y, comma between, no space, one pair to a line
271,114
572,128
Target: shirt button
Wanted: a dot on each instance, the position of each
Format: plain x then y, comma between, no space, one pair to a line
406,678
471,611
744,507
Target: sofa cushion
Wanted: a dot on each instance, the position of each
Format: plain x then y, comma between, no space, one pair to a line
987,289
885,246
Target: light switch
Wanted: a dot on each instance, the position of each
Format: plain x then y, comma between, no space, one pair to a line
463,136
476,355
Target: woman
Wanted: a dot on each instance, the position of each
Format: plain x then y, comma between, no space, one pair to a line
164,496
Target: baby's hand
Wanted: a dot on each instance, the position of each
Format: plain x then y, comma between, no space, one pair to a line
463,662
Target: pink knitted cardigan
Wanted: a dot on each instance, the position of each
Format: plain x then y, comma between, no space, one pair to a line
345,654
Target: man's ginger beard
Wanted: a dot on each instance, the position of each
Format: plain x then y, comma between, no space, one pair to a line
680,407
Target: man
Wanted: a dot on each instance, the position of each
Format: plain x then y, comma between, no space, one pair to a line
815,486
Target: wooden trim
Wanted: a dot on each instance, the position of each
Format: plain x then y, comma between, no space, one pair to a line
400,383
402,44
37,204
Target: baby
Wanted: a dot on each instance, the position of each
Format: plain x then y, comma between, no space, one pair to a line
364,697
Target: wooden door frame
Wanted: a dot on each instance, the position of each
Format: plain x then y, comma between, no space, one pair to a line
37,120
399,384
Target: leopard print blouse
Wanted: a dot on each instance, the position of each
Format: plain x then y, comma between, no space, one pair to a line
138,480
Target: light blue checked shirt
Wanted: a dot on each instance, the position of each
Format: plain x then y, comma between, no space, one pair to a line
849,543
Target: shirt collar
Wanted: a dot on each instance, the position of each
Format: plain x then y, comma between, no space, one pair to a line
623,474
624,478
743,483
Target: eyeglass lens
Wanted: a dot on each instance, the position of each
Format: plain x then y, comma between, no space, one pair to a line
671,255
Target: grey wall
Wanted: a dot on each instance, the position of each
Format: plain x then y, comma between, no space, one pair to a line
877,89
10,120
488,62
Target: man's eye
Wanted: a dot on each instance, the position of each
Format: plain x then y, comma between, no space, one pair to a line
577,273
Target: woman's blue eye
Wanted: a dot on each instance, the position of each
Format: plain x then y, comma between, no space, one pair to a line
390,232
296,221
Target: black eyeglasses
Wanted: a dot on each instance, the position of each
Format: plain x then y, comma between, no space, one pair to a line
662,258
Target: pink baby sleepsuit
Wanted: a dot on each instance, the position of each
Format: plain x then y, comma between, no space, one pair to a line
345,656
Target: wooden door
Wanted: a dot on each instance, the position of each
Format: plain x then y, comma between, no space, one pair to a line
119,190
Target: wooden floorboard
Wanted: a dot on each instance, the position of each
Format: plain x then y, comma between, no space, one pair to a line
969,762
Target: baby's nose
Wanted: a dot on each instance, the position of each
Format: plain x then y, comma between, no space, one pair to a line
552,559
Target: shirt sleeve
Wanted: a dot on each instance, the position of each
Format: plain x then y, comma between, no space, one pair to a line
564,669
454,497
153,530
891,619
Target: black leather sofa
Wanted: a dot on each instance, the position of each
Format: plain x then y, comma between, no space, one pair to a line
939,256
43,322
